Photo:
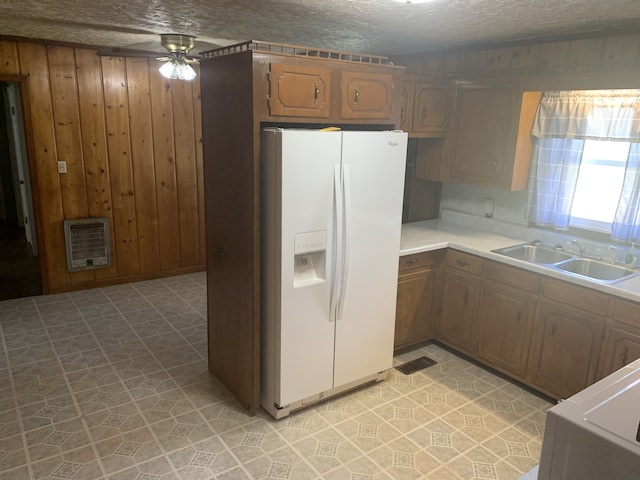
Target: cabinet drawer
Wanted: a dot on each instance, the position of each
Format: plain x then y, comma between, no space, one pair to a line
419,260
627,313
464,261
579,297
524,280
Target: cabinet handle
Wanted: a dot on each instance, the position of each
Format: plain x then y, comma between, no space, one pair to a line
411,262
462,263
494,164
401,114
552,329
625,355
316,93
356,96
518,316
424,113
466,295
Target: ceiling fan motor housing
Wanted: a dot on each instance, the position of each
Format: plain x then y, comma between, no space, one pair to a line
177,43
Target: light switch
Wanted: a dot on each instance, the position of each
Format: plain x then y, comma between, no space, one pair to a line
62,167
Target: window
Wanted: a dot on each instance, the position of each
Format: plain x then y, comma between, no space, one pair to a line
585,163
599,184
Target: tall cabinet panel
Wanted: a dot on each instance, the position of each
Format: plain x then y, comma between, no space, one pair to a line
233,241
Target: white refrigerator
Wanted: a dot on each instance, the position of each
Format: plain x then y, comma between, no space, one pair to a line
331,218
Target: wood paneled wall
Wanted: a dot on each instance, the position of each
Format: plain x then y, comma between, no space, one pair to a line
132,141
598,59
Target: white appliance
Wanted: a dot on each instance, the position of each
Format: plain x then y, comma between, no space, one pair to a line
595,434
331,218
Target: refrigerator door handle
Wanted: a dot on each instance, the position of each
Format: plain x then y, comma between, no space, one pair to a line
337,190
347,237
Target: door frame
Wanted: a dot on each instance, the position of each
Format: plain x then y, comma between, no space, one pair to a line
27,126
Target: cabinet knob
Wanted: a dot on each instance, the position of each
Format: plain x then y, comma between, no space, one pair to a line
316,93
356,96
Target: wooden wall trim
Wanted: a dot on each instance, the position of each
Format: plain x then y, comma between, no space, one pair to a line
577,56
105,282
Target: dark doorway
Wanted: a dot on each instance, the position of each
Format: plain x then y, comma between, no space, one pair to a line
19,263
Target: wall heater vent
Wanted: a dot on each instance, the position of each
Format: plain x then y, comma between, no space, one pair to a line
88,243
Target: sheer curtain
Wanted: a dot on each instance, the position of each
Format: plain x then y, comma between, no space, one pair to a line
626,225
564,120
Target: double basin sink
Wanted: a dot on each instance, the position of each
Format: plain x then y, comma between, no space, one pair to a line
562,261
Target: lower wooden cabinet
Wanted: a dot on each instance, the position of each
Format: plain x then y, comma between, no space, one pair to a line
622,339
417,286
620,348
555,336
459,307
567,347
505,326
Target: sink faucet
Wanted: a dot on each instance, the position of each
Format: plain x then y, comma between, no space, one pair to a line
582,250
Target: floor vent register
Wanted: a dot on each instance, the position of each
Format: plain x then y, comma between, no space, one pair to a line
415,365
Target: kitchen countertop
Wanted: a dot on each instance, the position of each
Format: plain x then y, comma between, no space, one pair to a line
437,234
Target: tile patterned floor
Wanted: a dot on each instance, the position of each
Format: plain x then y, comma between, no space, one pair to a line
112,383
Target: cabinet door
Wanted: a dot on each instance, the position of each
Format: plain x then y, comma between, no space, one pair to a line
567,347
299,91
366,95
620,349
459,309
431,108
485,126
406,108
413,307
505,324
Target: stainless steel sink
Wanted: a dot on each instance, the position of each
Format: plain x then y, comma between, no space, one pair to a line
534,253
567,263
593,269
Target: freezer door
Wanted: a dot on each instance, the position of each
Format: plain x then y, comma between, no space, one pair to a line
373,171
307,262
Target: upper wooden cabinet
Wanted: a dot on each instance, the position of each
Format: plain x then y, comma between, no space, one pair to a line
366,95
425,106
490,142
430,108
296,90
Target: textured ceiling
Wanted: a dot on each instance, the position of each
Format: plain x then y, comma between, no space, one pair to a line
367,26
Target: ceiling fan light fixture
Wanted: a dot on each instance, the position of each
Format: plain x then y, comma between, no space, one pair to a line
177,67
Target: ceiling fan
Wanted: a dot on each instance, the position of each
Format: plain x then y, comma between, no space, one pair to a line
177,62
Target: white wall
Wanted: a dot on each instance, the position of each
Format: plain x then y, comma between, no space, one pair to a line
508,206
